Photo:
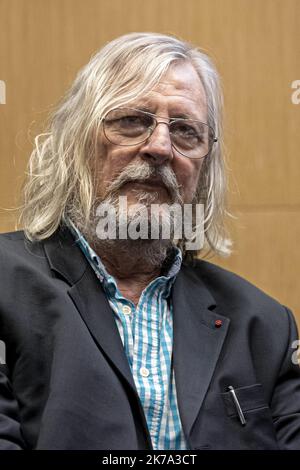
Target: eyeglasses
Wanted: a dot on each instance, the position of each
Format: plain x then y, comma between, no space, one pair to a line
129,127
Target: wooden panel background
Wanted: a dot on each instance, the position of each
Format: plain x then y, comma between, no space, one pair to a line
256,45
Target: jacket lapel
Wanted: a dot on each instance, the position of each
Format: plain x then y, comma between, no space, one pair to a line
67,260
197,343
95,311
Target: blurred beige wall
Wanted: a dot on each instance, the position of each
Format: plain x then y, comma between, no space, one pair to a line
256,46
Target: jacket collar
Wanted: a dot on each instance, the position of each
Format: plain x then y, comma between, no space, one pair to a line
64,257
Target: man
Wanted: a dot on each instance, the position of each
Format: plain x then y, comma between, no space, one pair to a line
129,342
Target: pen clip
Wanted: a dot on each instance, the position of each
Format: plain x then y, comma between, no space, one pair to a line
237,405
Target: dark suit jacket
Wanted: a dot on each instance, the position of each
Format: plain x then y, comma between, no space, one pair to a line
67,383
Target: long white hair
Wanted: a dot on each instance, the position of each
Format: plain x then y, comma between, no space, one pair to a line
61,183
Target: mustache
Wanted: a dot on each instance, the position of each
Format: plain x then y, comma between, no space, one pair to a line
143,172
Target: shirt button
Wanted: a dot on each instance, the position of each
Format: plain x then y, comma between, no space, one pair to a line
144,371
126,310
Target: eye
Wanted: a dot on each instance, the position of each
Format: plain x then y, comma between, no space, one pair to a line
132,122
186,131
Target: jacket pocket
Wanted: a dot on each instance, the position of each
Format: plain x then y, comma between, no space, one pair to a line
249,398
257,432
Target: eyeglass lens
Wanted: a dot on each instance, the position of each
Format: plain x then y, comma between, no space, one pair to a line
126,126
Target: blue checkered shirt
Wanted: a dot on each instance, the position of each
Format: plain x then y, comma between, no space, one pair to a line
146,331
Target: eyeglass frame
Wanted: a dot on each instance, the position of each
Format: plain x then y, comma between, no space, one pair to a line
171,120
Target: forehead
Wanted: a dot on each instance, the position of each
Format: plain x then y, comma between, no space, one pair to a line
179,90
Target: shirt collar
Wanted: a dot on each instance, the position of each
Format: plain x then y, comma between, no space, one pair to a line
170,269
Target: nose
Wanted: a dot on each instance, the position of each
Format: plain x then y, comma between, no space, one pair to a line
158,148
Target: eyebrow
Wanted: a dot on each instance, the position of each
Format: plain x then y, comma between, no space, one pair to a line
178,115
